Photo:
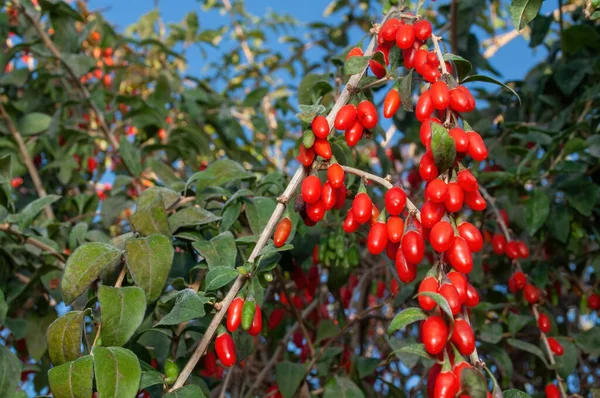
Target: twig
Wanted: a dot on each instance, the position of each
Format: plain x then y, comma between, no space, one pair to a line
294,183
31,169
41,245
436,45
226,382
454,26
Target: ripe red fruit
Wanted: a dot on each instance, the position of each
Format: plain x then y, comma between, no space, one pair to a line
16,182
322,148
340,196
315,211
395,229
355,52
413,247
311,189
512,249
424,107
593,301
350,224
467,181
552,391
395,201
91,165
460,283
320,126
391,249
422,29
335,175
407,272
234,314
446,385
425,131
405,36
367,114
374,215
328,196
345,117
461,140
427,168
354,134
448,291
555,346
454,198
429,284
511,285
520,280
461,100
531,294
463,337
431,213
498,244
256,326
378,238
544,323
477,149
432,377
420,60
523,249
434,333
389,29
362,207
440,95
225,349
437,190
275,318
472,236
475,201
458,368
459,255
441,236
282,232
472,296
306,156
391,103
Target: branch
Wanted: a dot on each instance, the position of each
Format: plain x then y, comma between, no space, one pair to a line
454,26
490,199
39,244
35,177
294,183
436,45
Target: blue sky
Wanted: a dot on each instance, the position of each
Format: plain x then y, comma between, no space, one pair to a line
514,60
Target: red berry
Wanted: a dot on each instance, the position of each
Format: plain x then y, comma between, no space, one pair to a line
467,181
437,190
460,283
428,171
463,337
234,314
362,206
425,131
395,229
335,175
311,189
407,272
391,249
413,247
320,126
441,236
91,165
378,238
523,249
475,201
225,349
275,318
544,323
389,29
434,333
354,134
449,292
315,211
472,296
306,156
552,391
367,114
461,140
555,346
512,249
440,95
345,117
391,103
446,385
477,149
459,256
282,232
328,196
422,29
454,198
520,280
355,52
350,224
431,213
405,36
395,201
531,294
429,284
472,236
498,244
322,148
377,68
340,197
424,107
593,301
256,326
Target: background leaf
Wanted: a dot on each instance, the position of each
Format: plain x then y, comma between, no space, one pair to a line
72,379
117,372
149,260
123,311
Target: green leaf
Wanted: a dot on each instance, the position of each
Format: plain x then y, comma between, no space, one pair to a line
289,376
311,87
584,197
151,378
188,305
308,113
405,318
517,322
37,325
34,123
326,330
530,348
567,363
191,216
84,267
255,97
32,210
417,349
117,372
169,197
405,91
342,387
441,302
10,369
589,341
64,337
220,251
443,147
151,219
558,222
189,391
149,261
462,66
258,212
537,208
3,308
502,359
491,333
524,11
356,65
80,64
219,173
131,156
593,145
487,79
218,277
473,382
366,366
515,394
123,311
73,379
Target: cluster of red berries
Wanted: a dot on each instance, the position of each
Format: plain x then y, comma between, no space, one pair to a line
319,198
240,312
513,249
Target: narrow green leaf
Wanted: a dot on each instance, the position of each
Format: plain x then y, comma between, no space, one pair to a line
123,311
117,372
149,260
413,349
441,302
537,209
462,66
73,379
487,79
32,210
3,308
517,322
443,147
64,337
524,11
131,156
84,267
405,91
405,318
34,123
530,348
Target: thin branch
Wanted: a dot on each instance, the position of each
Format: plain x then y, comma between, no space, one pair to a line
26,158
436,45
454,26
293,185
226,382
39,244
